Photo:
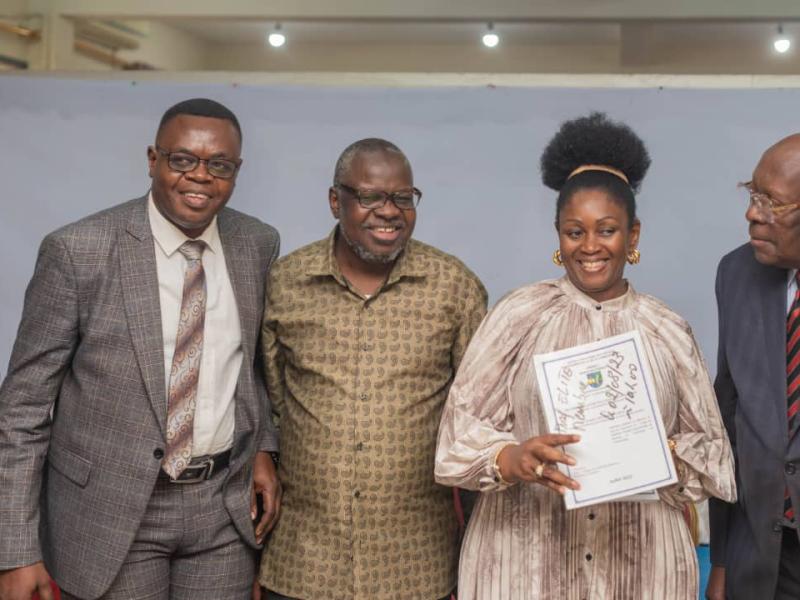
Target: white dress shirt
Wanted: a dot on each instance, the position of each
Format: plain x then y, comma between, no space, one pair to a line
222,337
791,289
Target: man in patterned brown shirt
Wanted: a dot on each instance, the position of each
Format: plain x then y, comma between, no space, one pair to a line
363,333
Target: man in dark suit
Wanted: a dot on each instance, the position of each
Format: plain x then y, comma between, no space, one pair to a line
755,551
133,423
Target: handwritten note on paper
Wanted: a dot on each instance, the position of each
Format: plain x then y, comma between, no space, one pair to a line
604,392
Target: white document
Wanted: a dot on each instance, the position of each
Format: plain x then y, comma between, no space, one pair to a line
604,392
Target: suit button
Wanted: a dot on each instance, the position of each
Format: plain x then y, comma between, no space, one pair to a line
158,454
777,527
789,468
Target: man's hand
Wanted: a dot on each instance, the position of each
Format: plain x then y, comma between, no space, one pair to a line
715,590
257,593
266,485
21,583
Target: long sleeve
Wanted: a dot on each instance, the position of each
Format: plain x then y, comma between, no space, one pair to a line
473,309
719,510
46,341
703,453
268,440
271,351
478,416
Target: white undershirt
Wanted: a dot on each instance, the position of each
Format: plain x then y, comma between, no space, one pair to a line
222,337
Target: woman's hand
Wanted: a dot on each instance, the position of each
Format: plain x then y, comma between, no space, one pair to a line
534,461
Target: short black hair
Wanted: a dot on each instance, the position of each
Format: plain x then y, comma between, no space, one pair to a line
595,140
200,107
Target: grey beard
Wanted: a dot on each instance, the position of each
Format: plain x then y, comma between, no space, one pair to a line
366,255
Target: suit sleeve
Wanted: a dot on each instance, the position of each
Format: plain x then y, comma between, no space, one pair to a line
268,441
720,511
46,340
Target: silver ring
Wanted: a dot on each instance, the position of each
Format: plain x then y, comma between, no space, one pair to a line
539,470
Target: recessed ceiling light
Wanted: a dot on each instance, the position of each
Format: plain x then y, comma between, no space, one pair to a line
490,38
276,38
782,42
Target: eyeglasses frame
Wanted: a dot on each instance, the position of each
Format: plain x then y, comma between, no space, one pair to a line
164,152
416,193
766,203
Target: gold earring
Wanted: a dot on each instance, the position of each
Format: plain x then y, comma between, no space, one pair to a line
634,256
557,259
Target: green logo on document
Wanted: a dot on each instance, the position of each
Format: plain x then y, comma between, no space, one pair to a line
594,379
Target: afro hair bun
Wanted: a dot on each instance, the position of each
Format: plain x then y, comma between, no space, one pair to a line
594,140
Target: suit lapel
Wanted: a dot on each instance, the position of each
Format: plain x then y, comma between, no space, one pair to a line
139,279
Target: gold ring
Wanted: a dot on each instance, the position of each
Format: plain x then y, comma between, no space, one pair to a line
539,470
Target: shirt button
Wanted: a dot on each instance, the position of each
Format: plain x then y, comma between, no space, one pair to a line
363,396
158,454
598,307
588,557
357,494
359,446
789,468
364,347
681,489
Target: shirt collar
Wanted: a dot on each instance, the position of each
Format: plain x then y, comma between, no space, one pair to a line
406,265
170,238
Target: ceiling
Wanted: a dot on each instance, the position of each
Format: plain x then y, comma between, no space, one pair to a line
536,36
511,33
302,32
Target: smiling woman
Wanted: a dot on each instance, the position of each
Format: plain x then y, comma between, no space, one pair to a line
493,436
596,166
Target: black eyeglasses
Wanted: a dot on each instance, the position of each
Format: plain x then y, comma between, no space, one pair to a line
183,162
404,199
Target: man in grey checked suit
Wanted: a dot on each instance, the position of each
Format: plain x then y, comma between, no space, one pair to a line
139,335
755,550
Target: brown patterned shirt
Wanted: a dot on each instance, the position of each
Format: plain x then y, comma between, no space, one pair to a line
359,384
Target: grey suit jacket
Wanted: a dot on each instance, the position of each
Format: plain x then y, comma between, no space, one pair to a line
74,487
751,390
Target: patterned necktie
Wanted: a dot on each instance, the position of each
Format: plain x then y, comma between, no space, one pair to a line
186,362
792,378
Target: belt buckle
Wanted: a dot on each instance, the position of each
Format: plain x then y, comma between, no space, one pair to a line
204,472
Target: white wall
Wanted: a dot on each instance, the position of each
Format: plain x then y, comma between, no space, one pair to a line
79,146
